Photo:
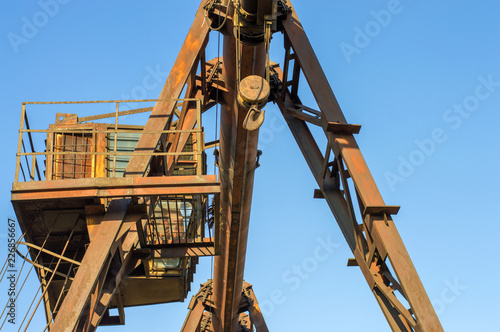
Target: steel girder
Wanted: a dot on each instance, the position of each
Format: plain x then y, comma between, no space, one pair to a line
202,311
238,150
376,238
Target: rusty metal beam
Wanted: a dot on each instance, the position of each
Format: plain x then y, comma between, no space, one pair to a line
386,232
238,153
358,169
201,311
161,115
115,187
315,160
254,311
309,63
344,146
188,117
201,301
193,320
390,245
187,121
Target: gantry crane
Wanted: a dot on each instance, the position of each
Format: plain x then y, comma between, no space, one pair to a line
133,236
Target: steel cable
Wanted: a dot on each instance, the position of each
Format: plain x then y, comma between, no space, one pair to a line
51,277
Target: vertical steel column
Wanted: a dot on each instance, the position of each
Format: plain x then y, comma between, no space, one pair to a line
238,153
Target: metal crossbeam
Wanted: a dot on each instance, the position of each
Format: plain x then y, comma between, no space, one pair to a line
118,273
116,187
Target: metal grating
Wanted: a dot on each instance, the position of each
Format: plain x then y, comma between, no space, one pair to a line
180,219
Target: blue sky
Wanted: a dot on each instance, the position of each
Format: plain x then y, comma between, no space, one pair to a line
424,81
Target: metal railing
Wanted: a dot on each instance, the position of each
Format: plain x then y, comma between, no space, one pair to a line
181,219
28,162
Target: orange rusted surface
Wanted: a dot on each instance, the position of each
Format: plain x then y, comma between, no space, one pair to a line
115,187
162,111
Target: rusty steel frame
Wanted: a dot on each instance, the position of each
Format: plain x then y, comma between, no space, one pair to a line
108,260
161,115
200,302
115,187
85,305
249,302
111,285
369,249
202,310
91,273
237,163
195,108
340,170
376,238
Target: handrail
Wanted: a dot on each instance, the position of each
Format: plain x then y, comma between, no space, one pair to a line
31,245
41,266
84,128
105,101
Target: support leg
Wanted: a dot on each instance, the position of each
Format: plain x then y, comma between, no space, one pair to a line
100,250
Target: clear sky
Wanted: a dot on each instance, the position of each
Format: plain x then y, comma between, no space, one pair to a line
421,76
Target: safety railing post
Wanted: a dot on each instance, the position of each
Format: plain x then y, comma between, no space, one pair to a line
115,137
199,141
20,143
